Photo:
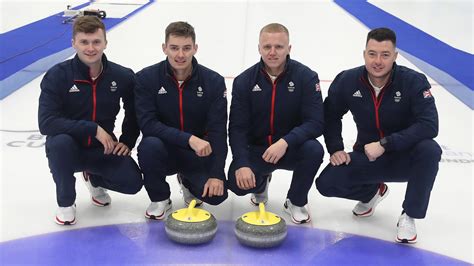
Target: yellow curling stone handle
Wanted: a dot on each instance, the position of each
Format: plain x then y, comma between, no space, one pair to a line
261,217
191,214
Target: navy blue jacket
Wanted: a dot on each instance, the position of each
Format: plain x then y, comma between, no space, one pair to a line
173,113
404,111
263,111
71,103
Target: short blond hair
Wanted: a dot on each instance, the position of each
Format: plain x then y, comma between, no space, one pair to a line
274,28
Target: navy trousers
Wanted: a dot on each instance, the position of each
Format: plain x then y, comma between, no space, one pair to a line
66,156
360,179
304,161
158,160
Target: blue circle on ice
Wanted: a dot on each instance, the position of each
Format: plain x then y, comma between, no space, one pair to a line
147,243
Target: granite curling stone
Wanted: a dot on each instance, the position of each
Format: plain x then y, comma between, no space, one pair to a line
260,229
191,225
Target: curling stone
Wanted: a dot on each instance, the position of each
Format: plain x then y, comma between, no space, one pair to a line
260,229
191,225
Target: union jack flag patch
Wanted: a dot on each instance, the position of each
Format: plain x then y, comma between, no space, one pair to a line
318,88
427,94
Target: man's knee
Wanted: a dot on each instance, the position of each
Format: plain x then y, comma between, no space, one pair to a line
151,145
62,152
322,186
130,176
428,148
312,149
135,184
216,200
325,181
232,186
231,182
151,149
61,142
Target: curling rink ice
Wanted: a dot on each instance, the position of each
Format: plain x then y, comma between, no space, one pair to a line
434,37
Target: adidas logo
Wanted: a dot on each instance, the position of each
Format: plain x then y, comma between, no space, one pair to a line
74,89
162,91
357,94
256,88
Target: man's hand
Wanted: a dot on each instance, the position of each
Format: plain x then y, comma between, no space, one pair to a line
245,178
121,149
106,140
213,187
274,153
340,157
373,150
201,147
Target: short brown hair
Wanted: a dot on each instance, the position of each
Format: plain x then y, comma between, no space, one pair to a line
87,24
180,29
274,28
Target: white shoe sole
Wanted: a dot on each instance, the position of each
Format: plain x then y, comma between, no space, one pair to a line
406,241
98,203
287,210
371,211
56,220
159,217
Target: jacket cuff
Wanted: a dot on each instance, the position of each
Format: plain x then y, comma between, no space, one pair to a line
387,143
183,139
239,163
91,129
217,174
127,141
290,140
333,148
